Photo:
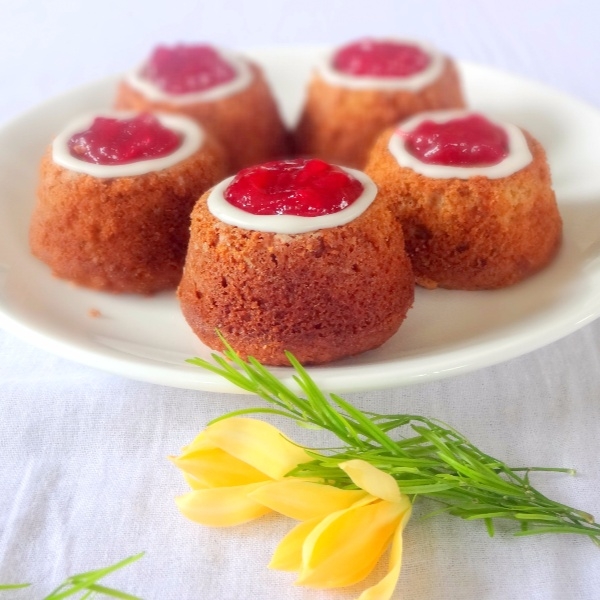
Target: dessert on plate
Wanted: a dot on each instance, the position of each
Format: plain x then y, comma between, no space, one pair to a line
366,86
225,92
474,198
295,255
114,199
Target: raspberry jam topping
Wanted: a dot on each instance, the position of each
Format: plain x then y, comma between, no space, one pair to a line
110,141
380,59
299,187
186,69
470,141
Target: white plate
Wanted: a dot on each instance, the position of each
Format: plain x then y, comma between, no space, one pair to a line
446,333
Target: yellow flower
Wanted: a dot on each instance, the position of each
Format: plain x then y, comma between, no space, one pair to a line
236,468
343,533
229,460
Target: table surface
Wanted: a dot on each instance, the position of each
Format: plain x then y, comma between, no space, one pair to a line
84,476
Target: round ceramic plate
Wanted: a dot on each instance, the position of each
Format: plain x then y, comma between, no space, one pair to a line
445,333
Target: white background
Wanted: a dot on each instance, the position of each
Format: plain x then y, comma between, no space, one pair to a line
83,476
48,47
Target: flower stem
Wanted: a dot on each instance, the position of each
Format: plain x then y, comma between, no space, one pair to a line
433,461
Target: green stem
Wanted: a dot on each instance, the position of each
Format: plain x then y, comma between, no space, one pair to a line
435,462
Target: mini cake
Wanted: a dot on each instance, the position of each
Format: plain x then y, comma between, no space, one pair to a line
227,94
115,197
362,88
474,198
295,255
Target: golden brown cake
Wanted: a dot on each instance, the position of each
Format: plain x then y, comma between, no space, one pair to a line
241,113
474,231
343,114
121,233
323,294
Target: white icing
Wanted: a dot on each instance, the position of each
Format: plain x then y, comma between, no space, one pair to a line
242,79
192,140
518,157
290,224
412,83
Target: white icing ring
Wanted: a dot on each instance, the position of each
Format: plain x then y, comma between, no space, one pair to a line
192,140
413,83
519,155
290,224
242,79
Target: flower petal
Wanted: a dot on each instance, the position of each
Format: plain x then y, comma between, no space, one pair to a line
213,467
194,483
199,442
257,443
288,554
385,588
304,500
221,507
372,480
345,546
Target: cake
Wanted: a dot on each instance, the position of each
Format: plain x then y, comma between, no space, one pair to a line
114,199
226,93
295,255
362,88
473,196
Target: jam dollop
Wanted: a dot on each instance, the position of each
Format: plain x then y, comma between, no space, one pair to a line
385,58
299,187
470,141
184,69
112,141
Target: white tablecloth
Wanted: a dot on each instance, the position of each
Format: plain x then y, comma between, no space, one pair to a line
84,478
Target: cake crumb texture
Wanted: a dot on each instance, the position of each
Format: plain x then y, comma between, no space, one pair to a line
322,295
475,233
247,124
125,234
340,125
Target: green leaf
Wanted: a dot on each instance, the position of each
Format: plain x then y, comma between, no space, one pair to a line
88,581
13,586
426,457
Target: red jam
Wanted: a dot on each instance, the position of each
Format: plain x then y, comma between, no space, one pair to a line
110,141
186,69
470,141
380,59
300,187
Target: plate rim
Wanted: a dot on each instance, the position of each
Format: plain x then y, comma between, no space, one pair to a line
412,369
